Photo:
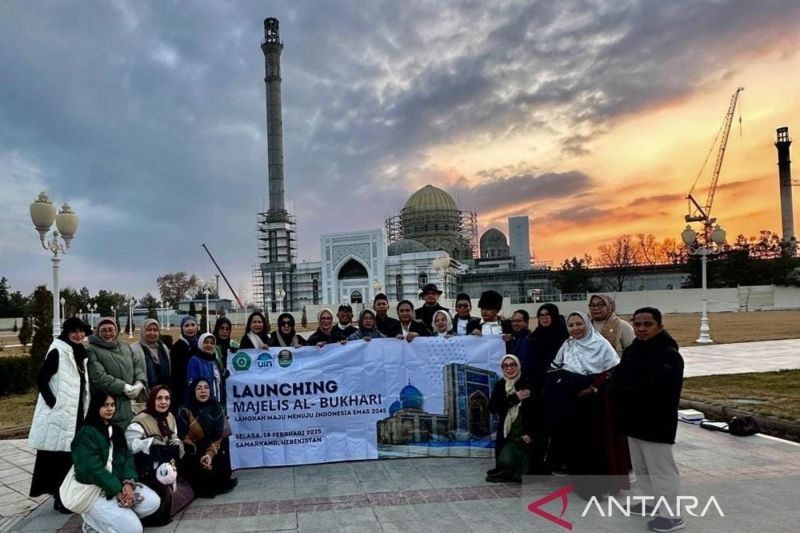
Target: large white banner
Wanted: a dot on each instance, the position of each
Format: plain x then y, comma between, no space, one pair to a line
363,400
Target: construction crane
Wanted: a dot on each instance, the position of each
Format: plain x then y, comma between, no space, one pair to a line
698,213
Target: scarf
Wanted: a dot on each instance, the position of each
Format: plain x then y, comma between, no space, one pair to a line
288,339
258,342
209,415
547,340
202,353
162,419
373,333
78,349
591,354
152,348
608,328
191,341
447,323
513,411
223,344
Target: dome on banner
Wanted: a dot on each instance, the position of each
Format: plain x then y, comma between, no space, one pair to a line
396,406
411,397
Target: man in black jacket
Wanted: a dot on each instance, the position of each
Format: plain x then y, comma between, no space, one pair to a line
430,296
383,321
464,323
647,388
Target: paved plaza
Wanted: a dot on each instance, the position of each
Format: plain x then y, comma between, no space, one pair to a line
449,494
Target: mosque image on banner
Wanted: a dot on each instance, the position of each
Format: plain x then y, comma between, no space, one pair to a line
467,422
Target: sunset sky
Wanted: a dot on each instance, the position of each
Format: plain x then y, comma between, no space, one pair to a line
592,117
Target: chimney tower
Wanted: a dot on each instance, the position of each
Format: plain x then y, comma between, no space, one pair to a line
785,180
274,275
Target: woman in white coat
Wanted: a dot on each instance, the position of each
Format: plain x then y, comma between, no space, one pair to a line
60,409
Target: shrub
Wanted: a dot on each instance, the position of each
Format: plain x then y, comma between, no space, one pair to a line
15,375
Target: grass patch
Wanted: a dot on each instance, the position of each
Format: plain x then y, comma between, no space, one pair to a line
17,409
764,393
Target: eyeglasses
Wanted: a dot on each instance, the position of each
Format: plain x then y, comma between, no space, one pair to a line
597,305
285,323
509,365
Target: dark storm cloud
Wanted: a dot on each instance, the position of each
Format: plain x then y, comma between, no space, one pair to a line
151,114
520,189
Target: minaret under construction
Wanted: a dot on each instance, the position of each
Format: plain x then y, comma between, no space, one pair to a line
273,287
785,177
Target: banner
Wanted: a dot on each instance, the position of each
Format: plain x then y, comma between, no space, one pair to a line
363,400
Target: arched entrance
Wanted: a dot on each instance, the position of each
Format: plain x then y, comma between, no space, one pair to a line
356,297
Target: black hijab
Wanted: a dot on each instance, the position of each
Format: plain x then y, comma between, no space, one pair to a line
209,413
224,344
547,340
288,339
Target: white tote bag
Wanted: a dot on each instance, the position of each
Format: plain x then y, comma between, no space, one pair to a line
79,497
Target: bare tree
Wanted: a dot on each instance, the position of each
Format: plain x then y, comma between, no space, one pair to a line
619,256
173,286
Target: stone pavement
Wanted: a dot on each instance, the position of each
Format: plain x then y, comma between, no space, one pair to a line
430,493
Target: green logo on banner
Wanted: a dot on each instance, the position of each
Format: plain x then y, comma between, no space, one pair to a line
284,358
241,362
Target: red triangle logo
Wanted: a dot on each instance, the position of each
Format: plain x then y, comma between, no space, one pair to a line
536,507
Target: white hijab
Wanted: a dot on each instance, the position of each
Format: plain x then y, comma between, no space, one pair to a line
448,322
591,354
513,411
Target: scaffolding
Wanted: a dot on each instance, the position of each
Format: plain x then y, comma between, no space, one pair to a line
435,225
277,252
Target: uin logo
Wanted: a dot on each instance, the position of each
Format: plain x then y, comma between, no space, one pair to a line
241,362
264,360
562,493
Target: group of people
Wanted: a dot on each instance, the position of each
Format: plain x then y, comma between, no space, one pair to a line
143,422
587,395
594,397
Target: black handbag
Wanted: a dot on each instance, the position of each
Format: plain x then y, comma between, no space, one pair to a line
146,463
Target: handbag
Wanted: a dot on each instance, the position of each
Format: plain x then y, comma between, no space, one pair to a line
79,497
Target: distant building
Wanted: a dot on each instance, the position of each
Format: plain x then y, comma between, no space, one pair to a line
519,234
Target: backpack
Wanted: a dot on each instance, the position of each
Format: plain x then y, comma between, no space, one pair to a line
743,426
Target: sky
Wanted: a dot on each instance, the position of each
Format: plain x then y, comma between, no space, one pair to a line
591,117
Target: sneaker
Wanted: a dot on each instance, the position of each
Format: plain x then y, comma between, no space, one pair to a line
649,510
661,523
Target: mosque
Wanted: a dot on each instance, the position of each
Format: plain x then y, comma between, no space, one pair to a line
466,410
430,240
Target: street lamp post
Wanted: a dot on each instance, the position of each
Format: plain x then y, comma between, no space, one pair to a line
114,312
63,307
280,294
205,288
710,244
92,309
131,303
43,214
377,288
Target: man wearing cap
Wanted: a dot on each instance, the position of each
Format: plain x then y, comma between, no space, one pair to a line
383,321
491,322
345,317
463,322
430,294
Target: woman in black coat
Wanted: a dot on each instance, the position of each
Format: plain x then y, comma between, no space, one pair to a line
256,332
512,401
544,343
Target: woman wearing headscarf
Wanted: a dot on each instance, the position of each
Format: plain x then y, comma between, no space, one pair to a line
115,369
201,425
441,323
122,501
60,409
183,350
286,336
583,426
204,365
326,332
154,353
152,437
605,321
225,345
256,332
512,401
367,327
544,343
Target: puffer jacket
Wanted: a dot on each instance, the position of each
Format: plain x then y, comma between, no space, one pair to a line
112,365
